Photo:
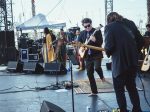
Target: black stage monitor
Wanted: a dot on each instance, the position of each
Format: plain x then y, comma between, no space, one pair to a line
50,107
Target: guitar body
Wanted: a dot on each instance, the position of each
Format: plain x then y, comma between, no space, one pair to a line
83,48
146,63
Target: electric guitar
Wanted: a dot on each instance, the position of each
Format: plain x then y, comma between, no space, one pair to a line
84,47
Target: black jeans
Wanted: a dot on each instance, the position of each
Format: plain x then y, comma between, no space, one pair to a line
127,80
90,65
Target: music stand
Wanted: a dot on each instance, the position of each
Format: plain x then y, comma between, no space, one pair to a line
72,60
54,67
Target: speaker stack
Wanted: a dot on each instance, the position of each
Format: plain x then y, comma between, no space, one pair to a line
7,47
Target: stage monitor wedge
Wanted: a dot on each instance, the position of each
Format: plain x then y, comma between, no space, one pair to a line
14,66
50,107
53,66
33,67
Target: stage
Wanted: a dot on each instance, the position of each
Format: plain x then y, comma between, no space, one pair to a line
17,93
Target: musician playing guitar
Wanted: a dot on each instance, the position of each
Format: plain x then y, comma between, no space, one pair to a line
92,57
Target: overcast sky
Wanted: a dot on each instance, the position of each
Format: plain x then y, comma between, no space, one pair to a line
72,11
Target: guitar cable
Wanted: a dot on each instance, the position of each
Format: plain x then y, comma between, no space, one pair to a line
143,90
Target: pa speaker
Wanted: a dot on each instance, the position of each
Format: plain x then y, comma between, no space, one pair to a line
7,39
49,67
33,67
11,54
50,107
55,68
14,66
8,54
3,59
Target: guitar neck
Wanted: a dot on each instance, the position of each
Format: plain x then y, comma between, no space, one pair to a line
93,47
79,44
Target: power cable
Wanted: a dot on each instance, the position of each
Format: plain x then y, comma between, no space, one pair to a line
17,88
6,89
36,89
15,91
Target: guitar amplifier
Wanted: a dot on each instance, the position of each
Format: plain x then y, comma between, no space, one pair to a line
33,57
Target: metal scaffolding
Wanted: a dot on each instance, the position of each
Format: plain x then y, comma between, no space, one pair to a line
6,15
33,7
108,8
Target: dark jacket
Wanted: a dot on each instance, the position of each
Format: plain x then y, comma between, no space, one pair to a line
138,37
98,43
122,42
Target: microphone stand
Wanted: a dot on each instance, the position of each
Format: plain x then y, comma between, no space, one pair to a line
72,91
57,85
72,60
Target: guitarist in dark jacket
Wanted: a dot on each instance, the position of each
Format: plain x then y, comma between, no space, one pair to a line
123,41
92,57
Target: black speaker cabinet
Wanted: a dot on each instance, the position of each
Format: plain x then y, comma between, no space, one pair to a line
49,67
3,59
50,107
7,39
55,68
8,54
14,66
33,67
11,54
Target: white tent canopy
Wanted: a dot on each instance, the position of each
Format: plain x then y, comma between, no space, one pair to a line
39,22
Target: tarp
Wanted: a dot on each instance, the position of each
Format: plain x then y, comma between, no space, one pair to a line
39,22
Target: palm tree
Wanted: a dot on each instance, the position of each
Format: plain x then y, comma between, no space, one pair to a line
148,11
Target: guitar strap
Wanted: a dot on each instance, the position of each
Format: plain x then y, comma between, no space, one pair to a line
88,38
148,50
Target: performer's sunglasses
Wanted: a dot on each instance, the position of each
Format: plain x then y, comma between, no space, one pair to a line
87,26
